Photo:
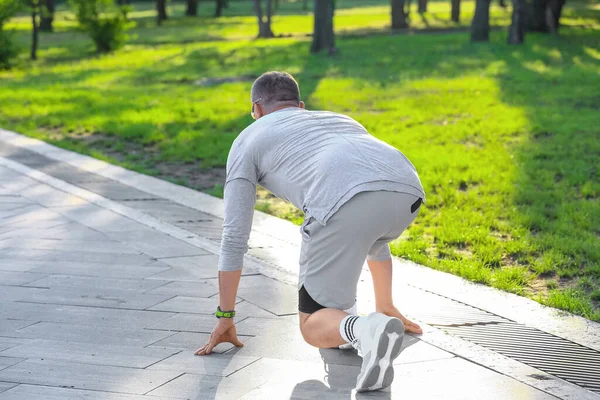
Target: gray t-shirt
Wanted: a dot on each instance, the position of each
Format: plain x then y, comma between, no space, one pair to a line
316,160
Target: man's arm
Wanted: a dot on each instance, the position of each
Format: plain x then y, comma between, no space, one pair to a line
240,197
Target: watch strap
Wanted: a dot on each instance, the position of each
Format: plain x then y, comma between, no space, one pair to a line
224,314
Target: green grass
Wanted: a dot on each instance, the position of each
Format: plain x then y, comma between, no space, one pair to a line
506,138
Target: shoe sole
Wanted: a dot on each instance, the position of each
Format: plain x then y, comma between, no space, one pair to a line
377,372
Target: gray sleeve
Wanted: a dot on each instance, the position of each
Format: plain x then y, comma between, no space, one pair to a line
240,197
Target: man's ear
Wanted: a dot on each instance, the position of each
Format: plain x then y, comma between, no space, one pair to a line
302,105
258,111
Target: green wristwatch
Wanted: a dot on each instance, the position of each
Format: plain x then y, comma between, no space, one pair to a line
224,314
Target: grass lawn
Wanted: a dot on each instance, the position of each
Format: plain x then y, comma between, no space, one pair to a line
506,138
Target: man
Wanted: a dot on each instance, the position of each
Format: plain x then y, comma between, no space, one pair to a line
357,194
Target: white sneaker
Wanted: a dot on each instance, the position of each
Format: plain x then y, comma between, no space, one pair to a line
380,343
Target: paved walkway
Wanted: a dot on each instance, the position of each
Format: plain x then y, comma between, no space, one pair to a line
108,283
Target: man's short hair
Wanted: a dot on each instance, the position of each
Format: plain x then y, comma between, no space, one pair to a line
275,87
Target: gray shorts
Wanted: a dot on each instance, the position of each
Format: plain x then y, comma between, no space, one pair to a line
332,256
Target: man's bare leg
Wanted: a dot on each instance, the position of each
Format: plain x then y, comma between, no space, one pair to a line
381,271
322,328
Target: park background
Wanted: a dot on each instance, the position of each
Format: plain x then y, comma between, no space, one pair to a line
505,135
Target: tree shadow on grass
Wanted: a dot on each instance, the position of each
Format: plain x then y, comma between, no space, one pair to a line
557,187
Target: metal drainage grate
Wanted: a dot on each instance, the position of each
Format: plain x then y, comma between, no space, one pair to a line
554,355
557,356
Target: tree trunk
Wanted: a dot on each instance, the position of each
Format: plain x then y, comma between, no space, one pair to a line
47,16
544,15
219,9
399,17
480,27
264,21
537,16
192,8
35,31
422,6
323,35
502,3
161,10
553,13
455,13
516,32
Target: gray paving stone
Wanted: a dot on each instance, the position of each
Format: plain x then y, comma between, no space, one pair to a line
20,213
32,159
203,229
13,199
186,323
71,174
191,341
269,294
49,196
18,278
76,256
167,210
157,244
98,297
197,305
18,293
6,361
67,231
7,342
91,334
194,269
190,269
111,189
258,326
260,240
6,207
33,213
61,244
85,376
34,392
303,380
99,218
16,265
200,387
281,255
15,186
9,327
86,353
23,156
219,365
89,282
94,316
56,222
457,378
4,386
205,288
116,270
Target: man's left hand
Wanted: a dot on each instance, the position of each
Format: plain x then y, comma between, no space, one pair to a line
223,332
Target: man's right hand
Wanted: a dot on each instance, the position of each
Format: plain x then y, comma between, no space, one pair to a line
410,326
224,332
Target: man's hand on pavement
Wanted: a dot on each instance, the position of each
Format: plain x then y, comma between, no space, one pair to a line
410,326
223,332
